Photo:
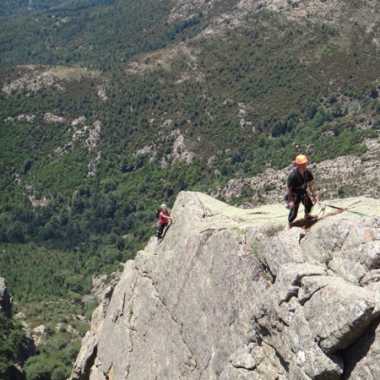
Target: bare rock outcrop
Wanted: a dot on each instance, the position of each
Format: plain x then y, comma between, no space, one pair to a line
346,175
233,294
31,79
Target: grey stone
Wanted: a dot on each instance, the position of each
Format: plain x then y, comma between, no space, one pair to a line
283,247
370,277
255,362
289,279
338,312
227,295
363,358
243,359
295,343
173,301
348,247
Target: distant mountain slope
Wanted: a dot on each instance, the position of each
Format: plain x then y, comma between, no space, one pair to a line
105,32
95,33
9,7
30,7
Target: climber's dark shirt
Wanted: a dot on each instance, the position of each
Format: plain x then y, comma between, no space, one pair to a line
298,183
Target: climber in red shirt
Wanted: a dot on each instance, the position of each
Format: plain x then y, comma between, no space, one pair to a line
164,219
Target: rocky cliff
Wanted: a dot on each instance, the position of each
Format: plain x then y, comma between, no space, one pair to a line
234,294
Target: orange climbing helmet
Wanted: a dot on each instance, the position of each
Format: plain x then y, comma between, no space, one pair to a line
301,159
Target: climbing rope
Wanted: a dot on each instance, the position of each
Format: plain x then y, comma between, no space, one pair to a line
348,208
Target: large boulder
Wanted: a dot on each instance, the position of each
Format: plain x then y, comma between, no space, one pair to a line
175,298
233,294
337,311
350,248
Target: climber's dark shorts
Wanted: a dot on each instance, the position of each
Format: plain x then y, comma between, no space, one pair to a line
298,198
161,229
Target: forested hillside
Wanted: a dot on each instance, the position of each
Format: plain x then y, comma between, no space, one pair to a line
108,108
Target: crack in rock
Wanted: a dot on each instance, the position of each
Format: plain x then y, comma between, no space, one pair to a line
303,300
192,362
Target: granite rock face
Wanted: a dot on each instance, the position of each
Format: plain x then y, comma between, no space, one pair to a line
233,294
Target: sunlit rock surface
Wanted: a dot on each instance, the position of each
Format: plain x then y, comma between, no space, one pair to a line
234,294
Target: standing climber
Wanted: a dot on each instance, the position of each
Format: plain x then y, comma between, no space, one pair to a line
164,219
300,188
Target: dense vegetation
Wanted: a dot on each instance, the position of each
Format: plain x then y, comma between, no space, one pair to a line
242,102
12,347
97,33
